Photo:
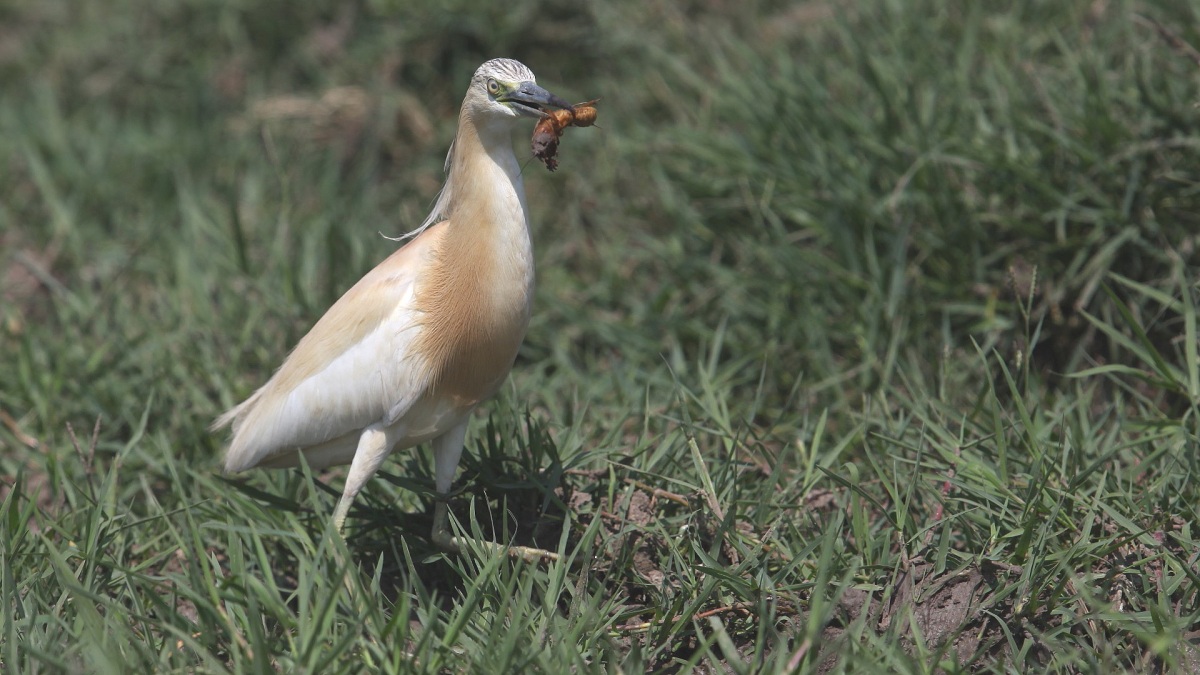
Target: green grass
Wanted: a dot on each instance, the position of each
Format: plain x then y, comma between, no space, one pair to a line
865,338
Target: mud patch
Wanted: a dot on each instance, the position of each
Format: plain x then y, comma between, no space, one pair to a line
945,609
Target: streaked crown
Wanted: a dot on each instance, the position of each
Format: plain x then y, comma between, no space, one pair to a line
505,70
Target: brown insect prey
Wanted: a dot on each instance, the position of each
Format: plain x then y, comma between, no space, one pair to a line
550,129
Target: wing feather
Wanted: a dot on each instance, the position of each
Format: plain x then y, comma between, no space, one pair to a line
357,366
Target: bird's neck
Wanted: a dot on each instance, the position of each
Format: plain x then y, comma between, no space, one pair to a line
484,178
489,229
477,296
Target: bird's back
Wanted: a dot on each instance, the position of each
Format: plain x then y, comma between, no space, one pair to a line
351,369
419,341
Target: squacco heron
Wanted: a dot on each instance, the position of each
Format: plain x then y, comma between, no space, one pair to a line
409,351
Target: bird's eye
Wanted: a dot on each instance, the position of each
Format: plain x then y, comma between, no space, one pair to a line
493,86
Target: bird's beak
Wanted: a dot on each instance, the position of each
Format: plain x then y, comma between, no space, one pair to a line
532,100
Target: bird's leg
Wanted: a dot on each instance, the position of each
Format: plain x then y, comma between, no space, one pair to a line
447,448
374,445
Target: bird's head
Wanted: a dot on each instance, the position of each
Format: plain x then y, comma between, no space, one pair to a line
507,89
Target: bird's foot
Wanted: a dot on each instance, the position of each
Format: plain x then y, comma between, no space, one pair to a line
443,539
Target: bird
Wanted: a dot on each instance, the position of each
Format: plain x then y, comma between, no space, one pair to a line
406,354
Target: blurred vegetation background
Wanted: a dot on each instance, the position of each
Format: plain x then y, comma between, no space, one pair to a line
796,222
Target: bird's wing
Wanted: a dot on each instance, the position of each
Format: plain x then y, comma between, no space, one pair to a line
354,368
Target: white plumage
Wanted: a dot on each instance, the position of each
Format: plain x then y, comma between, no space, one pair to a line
351,370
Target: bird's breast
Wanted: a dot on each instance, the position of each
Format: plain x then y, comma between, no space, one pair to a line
476,308
477,364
